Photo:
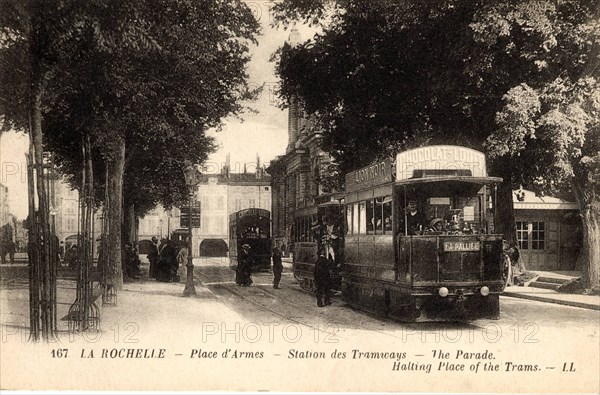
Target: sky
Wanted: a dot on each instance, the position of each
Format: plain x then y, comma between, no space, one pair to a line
262,134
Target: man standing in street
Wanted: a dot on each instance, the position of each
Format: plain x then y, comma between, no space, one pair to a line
277,267
244,269
322,279
153,258
11,248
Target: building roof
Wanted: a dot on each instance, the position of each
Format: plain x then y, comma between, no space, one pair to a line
240,178
530,201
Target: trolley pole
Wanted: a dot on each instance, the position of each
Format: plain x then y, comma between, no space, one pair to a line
190,289
191,180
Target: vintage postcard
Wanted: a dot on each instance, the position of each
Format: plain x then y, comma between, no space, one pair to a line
288,196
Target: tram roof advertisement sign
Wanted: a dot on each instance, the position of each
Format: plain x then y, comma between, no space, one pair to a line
374,174
440,157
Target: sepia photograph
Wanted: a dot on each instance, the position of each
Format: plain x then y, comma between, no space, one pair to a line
326,196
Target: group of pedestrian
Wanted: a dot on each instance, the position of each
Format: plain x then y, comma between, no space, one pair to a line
7,247
165,260
131,262
72,257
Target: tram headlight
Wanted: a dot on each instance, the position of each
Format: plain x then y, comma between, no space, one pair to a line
485,291
443,292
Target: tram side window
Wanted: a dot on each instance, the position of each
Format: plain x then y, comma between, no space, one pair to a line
315,229
387,215
370,219
355,217
378,207
362,222
349,219
299,230
306,234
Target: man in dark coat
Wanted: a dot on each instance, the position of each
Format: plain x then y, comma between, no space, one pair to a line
322,280
277,267
132,262
168,259
153,258
415,219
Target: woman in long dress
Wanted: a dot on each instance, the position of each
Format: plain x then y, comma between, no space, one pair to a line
244,269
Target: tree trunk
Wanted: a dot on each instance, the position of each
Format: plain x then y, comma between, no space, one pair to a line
504,218
129,223
116,170
45,269
589,256
505,214
590,253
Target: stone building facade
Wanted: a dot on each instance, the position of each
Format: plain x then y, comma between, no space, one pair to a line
219,195
296,174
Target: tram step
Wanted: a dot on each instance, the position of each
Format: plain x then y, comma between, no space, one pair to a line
545,285
554,280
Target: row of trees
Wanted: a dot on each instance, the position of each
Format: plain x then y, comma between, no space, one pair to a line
141,80
520,79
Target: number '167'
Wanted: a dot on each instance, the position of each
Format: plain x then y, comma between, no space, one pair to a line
59,352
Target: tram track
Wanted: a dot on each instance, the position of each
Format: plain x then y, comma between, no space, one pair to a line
339,322
224,285
347,323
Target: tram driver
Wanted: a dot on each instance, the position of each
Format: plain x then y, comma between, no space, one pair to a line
415,219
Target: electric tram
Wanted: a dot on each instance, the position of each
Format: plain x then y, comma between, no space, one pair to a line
320,226
418,238
253,227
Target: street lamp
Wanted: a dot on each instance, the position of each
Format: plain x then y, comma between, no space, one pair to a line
191,180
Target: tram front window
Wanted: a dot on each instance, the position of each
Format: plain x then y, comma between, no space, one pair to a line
442,215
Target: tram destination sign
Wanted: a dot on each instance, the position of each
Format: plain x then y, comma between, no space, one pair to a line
374,174
461,246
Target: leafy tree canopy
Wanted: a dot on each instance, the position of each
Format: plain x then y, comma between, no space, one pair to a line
154,74
387,75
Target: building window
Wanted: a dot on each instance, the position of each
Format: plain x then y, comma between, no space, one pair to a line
70,207
71,224
238,204
531,235
538,234
522,235
251,203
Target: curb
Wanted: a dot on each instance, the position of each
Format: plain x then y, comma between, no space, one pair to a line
571,303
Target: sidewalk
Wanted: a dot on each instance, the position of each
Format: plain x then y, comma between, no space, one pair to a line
552,296
547,295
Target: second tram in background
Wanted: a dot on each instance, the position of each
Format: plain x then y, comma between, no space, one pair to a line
253,227
413,243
